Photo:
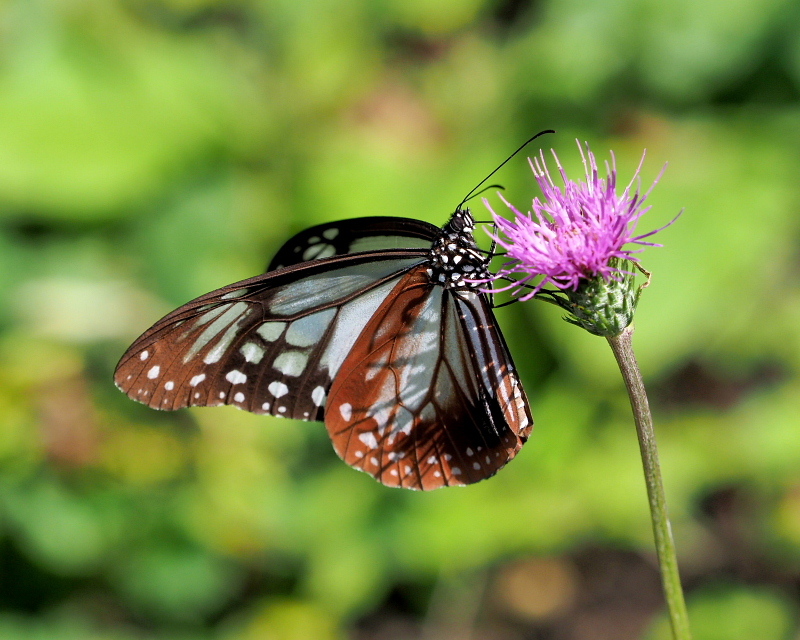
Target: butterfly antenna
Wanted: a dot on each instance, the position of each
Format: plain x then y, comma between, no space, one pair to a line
486,188
521,147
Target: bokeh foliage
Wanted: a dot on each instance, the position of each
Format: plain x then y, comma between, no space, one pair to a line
152,150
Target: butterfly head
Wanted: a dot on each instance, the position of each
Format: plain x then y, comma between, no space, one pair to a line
461,222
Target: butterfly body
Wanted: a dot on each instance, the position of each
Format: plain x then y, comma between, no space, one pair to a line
396,350
456,262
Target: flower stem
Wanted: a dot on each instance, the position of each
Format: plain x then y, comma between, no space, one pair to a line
665,547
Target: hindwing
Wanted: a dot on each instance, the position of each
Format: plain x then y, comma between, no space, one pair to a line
429,396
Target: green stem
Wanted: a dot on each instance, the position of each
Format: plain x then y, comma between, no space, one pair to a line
665,547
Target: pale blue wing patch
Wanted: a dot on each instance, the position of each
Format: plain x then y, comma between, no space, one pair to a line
324,289
309,330
350,322
300,359
267,351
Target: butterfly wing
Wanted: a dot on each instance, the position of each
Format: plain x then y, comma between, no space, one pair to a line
429,396
354,235
270,344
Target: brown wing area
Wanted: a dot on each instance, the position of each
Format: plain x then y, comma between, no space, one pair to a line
232,354
428,397
269,345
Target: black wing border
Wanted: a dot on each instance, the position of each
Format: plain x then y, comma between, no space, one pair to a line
356,229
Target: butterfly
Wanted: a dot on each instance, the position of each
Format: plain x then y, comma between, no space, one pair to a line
377,327
374,326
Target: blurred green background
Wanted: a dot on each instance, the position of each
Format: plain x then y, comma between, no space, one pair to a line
153,150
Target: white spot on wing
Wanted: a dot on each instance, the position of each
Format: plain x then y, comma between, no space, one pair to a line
271,331
239,397
368,438
265,406
153,373
252,352
169,386
291,363
346,410
144,355
197,379
236,377
318,251
330,234
278,389
318,396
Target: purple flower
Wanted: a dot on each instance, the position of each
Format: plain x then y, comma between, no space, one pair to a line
575,233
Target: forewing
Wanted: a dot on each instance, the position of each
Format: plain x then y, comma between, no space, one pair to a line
270,344
354,235
428,396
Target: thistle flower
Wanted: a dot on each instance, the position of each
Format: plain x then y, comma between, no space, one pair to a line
580,238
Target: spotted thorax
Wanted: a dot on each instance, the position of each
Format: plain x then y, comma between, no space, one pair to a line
577,239
456,262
